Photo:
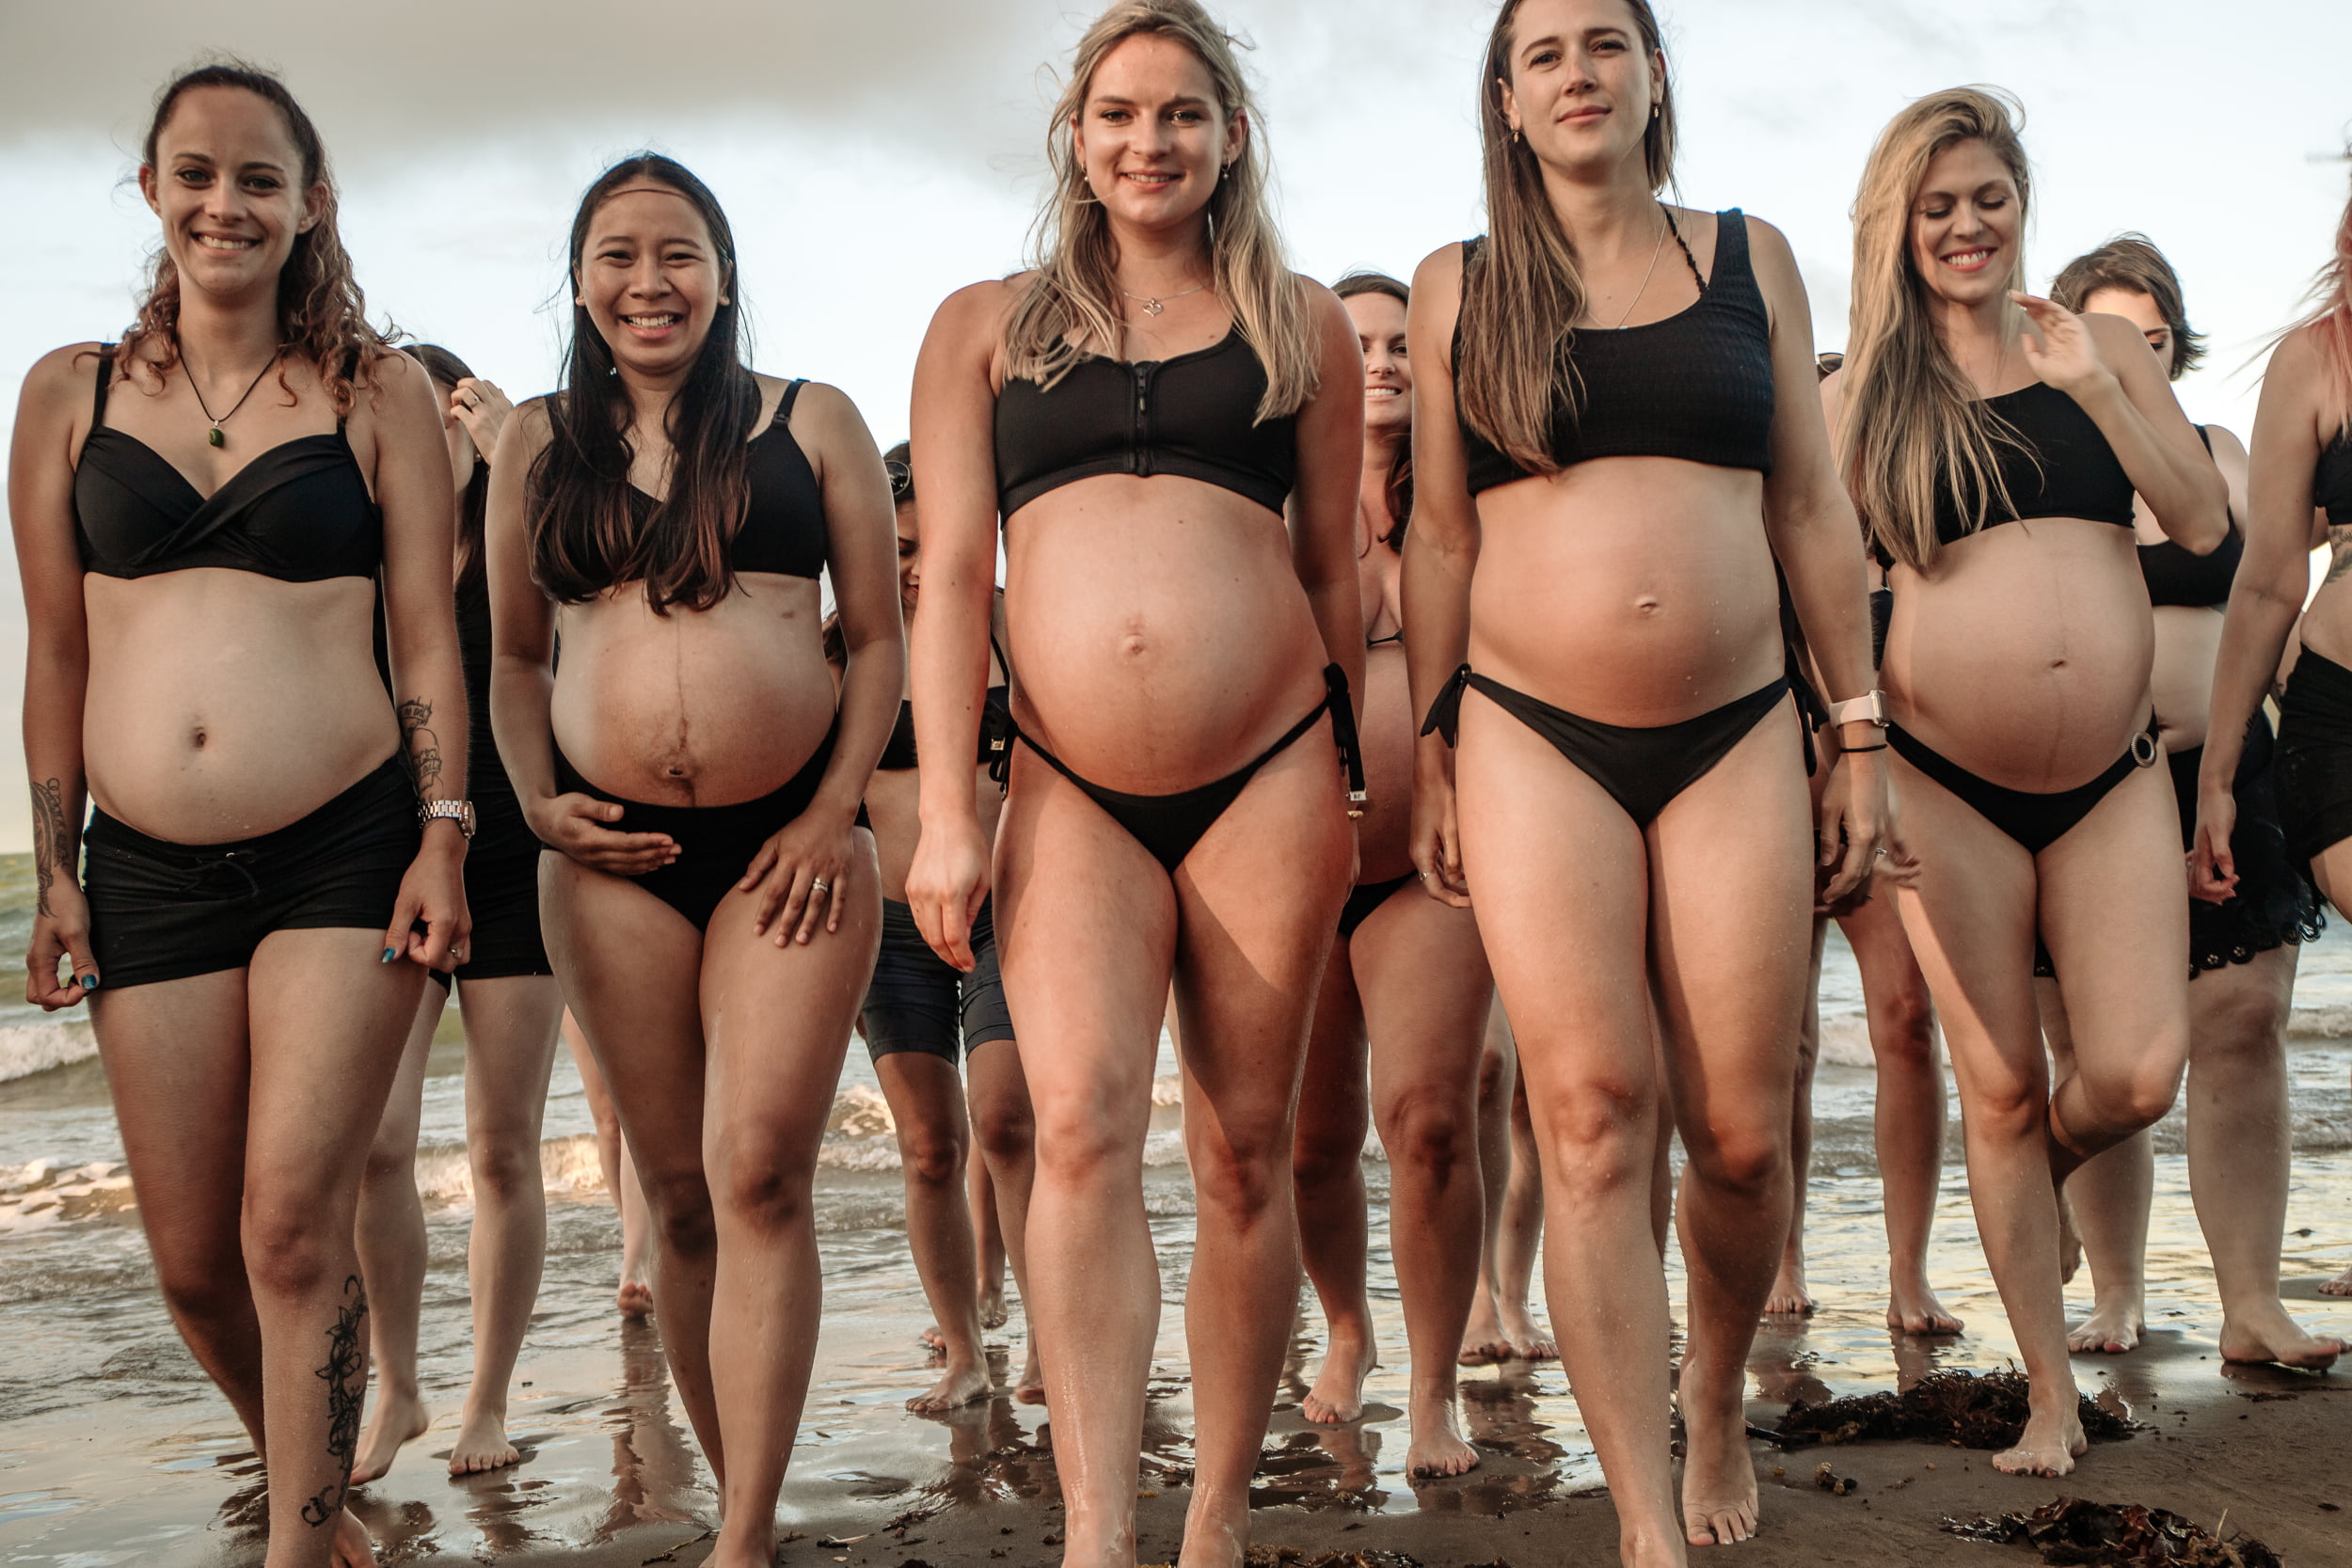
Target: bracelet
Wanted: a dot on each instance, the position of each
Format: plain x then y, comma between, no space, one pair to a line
1848,751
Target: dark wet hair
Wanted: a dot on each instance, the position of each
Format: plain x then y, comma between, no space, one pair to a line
474,502
321,314
1400,486
2133,264
586,531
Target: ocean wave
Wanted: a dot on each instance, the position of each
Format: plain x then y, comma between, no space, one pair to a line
29,1048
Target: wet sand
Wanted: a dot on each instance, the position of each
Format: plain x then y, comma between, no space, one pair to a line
136,1460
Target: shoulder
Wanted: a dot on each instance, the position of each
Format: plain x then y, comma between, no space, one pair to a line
2299,359
1442,267
818,406
980,309
396,385
2225,443
2115,332
1323,308
526,433
61,374
1767,245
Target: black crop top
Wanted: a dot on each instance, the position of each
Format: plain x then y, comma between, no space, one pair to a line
1696,385
2181,577
2066,470
1195,416
2331,482
784,525
299,511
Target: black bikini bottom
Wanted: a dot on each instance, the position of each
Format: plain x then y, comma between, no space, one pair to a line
1643,768
1368,896
2036,821
1169,825
2315,766
715,843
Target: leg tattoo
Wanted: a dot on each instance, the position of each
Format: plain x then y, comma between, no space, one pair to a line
346,1375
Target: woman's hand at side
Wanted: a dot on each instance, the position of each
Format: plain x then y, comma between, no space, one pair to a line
2212,869
797,876
1437,832
1858,831
432,895
60,931
947,883
589,831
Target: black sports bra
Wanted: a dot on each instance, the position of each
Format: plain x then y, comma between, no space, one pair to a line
898,752
784,525
2181,577
1696,385
2331,482
299,513
1194,416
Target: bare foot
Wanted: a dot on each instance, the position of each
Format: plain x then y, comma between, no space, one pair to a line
2049,1447
1338,1391
634,1298
957,1386
2113,1328
352,1549
2070,1243
1529,1339
2339,1286
1031,1388
932,1338
1438,1448
993,1313
1484,1342
396,1419
481,1444
2266,1334
1789,1298
1913,1309
1214,1536
1719,1498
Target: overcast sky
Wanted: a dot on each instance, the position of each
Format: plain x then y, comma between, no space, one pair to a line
875,155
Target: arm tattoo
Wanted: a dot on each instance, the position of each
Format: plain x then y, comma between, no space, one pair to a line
346,1375
420,748
53,838
2339,553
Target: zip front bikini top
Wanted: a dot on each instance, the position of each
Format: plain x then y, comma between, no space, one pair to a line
1193,415
2181,577
299,513
1696,385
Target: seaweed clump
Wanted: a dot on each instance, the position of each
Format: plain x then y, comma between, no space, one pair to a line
1959,1408
2083,1534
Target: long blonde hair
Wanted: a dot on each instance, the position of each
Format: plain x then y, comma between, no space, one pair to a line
2330,323
1910,422
1071,300
1523,291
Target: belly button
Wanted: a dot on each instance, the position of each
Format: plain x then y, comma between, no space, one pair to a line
201,738
1131,645
1646,604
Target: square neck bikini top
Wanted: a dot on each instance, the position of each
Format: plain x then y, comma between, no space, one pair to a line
299,511
1696,385
1192,415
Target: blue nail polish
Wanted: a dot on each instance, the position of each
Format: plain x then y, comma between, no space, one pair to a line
390,953
89,982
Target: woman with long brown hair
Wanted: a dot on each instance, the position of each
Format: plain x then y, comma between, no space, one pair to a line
1616,435
1993,442
1401,1011
1144,409
710,908
203,512
2301,460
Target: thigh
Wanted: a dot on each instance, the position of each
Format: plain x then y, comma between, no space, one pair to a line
776,1020
1970,919
631,967
1258,905
328,1021
1334,1112
2113,909
511,1029
178,1067
2242,1007
1426,990
404,1109
1560,876
1085,939
1732,933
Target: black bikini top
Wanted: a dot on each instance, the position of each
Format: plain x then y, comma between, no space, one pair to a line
1194,416
995,722
2067,469
299,511
784,525
1696,385
2331,482
2181,577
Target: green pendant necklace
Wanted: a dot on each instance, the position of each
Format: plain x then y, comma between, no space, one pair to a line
216,437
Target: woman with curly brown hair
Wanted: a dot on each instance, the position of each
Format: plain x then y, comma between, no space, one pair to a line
202,513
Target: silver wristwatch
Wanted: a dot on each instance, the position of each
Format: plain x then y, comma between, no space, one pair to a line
459,811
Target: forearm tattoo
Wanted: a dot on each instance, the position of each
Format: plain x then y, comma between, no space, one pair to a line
346,1375
53,838
420,748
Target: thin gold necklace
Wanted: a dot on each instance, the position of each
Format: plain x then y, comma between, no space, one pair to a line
1656,250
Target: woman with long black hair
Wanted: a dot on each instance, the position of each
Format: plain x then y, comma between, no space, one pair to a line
1169,423
710,909
203,512
1616,435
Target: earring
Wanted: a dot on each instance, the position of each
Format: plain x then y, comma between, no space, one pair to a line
1514,135
1654,110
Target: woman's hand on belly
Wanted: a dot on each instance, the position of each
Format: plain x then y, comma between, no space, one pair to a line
594,833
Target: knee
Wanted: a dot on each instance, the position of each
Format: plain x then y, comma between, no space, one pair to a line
389,1163
1745,1162
759,1183
1902,1031
1321,1155
1237,1184
1005,1135
290,1245
1600,1135
1429,1130
2242,1025
505,1169
931,1150
1085,1144
2135,1098
678,1203
201,1289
